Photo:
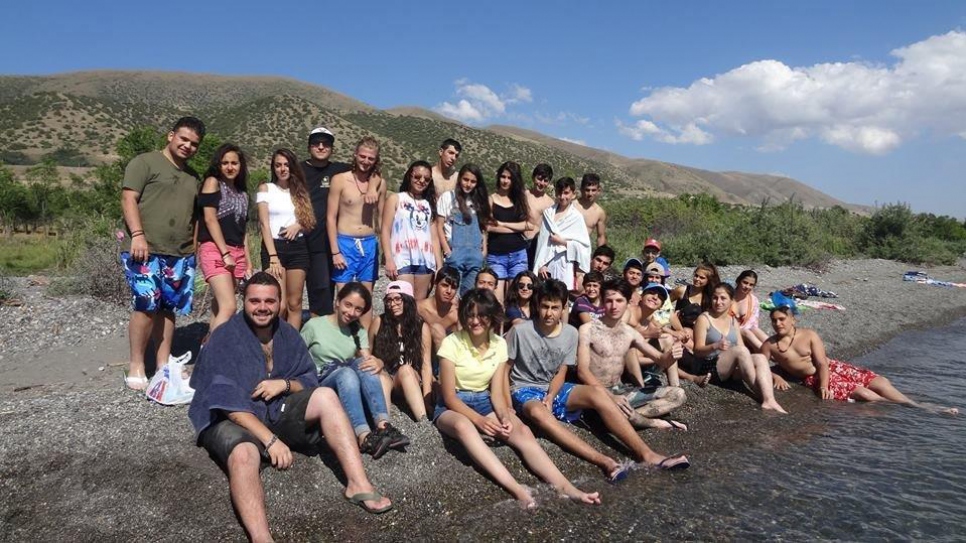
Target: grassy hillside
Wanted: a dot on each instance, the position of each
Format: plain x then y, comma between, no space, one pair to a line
77,118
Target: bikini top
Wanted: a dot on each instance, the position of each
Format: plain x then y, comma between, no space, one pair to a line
714,335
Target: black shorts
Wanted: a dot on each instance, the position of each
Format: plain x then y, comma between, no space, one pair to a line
292,255
222,437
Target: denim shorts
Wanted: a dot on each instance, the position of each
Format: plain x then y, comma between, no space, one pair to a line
419,269
509,265
161,283
523,395
477,401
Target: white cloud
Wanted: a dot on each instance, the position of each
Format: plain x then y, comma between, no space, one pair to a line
853,105
561,118
479,103
578,142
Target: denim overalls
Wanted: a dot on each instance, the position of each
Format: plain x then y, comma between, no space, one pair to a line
466,247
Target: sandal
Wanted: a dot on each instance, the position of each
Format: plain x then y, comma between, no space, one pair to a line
375,445
138,384
397,440
361,498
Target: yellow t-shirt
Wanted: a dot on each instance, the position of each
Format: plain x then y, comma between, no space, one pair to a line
473,371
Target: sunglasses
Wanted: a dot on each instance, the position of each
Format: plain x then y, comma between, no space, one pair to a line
525,286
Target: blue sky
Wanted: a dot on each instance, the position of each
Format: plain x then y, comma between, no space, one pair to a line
865,101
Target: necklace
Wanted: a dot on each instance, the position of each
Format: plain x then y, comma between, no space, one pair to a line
355,179
778,343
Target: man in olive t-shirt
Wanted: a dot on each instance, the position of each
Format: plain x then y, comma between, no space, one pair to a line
158,203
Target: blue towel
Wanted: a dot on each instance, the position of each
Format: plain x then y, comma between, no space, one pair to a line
232,364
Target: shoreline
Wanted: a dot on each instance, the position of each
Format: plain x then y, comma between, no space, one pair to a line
109,465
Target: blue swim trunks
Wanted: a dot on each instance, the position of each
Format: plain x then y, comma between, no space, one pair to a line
523,395
163,283
361,258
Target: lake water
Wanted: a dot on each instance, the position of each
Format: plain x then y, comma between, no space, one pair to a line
858,471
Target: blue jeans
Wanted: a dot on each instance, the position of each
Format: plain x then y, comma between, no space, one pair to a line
466,245
353,386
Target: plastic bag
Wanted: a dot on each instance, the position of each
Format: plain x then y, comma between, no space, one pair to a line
169,386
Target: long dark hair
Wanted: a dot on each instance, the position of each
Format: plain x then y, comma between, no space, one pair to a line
356,287
297,187
430,193
518,191
214,167
407,329
478,196
713,280
513,296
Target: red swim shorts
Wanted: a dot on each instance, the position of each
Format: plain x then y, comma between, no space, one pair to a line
843,379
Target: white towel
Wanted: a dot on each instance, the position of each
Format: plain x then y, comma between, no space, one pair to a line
559,259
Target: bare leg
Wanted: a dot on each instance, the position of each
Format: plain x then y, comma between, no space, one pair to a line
223,306
584,397
247,495
500,289
163,334
295,280
538,414
139,333
764,383
522,440
422,285
881,386
407,380
325,408
461,429
366,319
387,384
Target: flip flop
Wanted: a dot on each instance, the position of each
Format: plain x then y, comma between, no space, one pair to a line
137,384
674,463
623,470
361,498
704,380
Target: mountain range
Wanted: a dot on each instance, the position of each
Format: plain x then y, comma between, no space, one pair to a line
82,115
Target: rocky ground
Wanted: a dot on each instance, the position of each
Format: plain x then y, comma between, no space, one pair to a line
83,459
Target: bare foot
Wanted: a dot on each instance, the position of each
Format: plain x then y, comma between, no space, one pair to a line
773,406
525,498
573,493
703,382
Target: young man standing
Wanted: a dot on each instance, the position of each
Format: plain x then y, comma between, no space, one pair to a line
594,216
444,171
601,356
319,171
158,202
351,219
563,246
540,351
539,201
256,399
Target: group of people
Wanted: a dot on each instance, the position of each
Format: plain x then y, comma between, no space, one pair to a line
500,316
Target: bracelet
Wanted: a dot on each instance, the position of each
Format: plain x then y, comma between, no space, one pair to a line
226,253
137,233
288,387
270,255
336,253
271,442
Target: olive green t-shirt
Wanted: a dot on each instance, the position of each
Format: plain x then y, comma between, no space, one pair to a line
166,203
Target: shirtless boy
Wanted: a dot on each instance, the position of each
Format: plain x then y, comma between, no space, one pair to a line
540,351
800,352
444,171
351,220
601,362
441,310
594,215
539,201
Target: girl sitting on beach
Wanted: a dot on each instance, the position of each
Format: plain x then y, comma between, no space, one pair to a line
746,310
699,291
800,352
402,339
474,401
340,349
720,351
519,299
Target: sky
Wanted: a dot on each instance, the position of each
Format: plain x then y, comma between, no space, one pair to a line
863,100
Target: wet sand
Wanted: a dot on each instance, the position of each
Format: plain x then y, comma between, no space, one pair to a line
82,459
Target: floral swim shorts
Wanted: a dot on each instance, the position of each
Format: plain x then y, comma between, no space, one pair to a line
162,283
843,379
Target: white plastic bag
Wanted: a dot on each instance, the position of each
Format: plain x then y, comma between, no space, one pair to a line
168,386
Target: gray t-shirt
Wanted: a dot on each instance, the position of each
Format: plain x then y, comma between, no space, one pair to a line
537,358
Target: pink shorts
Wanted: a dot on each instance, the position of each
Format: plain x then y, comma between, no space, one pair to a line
211,263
